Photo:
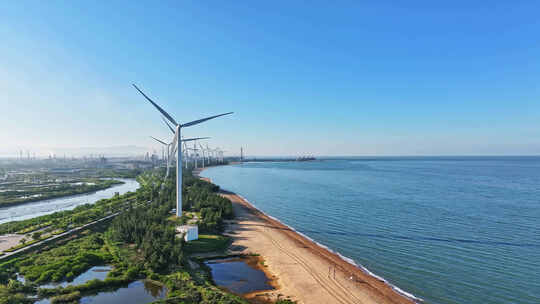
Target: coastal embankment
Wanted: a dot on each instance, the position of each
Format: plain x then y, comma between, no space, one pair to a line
303,269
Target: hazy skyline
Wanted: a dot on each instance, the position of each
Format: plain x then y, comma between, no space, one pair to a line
377,78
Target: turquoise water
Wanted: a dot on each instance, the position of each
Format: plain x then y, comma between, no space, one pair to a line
448,230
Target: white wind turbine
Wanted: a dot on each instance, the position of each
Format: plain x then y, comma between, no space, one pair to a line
185,147
177,142
210,153
186,151
170,154
202,149
219,154
196,151
192,156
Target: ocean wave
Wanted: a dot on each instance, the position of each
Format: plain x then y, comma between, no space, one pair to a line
344,258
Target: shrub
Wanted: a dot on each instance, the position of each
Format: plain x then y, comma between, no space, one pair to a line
70,297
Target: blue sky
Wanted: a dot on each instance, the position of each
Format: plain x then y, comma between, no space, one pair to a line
340,78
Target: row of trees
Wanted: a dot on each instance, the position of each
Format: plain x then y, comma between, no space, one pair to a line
201,196
154,238
146,226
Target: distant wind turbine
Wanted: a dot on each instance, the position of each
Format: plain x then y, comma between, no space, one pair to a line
177,142
203,154
170,153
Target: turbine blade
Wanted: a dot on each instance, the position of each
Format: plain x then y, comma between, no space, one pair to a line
191,139
157,107
158,140
203,120
168,125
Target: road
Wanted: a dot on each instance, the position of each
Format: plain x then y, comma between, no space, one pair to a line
74,230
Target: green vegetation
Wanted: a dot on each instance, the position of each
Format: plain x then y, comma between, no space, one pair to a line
67,298
208,243
64,262
24,194
200,196
79,216
140,243
147,228
186,288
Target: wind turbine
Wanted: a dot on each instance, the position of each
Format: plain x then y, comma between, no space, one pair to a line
185,149
170,153
210,153
177,141
219,154
196,151
202,149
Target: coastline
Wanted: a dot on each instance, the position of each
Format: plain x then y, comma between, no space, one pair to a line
303,269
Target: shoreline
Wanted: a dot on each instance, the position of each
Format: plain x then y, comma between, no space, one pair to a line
304,269
47,202
52,197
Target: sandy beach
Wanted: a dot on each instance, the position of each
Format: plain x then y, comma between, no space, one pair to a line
299,267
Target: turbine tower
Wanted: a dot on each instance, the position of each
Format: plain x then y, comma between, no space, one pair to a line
210,153
196,151
178,142
184,146
202,149
169,152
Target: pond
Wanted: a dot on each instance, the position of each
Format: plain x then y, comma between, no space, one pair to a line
239,275
138,292
96,272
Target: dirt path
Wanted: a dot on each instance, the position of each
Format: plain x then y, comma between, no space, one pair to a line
9,240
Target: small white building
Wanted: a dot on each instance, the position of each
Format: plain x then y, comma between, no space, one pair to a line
190,232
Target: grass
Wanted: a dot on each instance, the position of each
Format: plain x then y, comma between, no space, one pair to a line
65,189
33,228
208,243
176,220
64,261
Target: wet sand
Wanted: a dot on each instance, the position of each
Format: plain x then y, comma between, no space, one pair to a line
303,270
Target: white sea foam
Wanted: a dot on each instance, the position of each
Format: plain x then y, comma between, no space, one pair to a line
346,259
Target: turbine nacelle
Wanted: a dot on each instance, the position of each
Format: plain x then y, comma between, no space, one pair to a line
177,141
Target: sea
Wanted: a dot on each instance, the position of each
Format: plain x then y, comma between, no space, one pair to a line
441,229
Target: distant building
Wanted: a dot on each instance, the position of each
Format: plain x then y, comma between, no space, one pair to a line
190,232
